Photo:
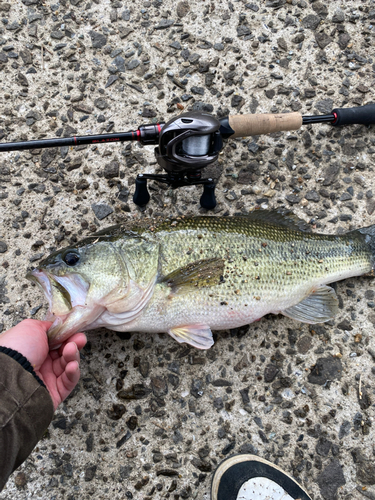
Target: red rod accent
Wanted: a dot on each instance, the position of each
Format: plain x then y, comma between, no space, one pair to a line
75,140
138,135
335,120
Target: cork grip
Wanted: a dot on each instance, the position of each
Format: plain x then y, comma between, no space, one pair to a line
245,125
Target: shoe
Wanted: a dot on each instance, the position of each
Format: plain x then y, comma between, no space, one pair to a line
248,477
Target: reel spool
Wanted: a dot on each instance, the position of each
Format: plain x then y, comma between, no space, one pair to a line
189,142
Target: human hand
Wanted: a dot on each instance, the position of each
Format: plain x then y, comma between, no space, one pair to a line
58,369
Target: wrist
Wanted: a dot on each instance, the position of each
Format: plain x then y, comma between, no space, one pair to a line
22,360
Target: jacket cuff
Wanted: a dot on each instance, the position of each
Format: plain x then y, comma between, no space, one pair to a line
24,362
26,410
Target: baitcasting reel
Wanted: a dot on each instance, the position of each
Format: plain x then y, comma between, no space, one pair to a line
187,144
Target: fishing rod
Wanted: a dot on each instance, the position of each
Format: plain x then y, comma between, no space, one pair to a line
191,141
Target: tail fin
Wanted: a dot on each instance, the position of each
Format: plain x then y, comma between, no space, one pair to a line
369,234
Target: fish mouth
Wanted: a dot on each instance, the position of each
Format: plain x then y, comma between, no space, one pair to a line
55,293
64,295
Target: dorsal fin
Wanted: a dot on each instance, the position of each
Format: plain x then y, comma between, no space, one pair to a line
280,217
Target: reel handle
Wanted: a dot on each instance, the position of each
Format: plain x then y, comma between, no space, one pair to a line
208,199
141,195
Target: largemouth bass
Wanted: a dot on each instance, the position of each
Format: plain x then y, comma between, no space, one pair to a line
190,276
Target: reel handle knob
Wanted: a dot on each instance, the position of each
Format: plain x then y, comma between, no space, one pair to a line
208,199
141,195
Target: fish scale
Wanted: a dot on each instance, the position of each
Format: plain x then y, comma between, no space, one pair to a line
189,276
281,266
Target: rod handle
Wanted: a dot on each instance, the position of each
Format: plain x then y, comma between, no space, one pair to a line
364,115
245,125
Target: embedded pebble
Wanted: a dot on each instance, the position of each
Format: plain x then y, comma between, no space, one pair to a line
101,210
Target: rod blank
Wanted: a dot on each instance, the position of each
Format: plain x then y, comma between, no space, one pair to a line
68,141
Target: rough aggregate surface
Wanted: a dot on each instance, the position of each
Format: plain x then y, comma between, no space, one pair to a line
151,419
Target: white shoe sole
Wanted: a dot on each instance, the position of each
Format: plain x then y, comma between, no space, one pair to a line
243,458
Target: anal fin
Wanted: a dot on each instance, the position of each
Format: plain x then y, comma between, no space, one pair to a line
199,335
320,306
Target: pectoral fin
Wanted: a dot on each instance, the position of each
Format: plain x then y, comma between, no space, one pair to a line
199,336
201,273
320,306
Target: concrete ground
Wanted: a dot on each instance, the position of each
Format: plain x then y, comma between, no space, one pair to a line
151,418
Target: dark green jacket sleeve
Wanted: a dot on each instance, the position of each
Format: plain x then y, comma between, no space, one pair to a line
26,410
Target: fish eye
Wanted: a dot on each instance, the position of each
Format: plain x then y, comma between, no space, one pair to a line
71,259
